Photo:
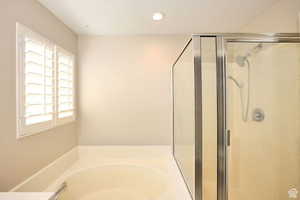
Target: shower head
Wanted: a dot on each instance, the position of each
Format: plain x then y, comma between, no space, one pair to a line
241,60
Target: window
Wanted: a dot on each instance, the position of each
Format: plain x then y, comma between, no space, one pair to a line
45,84
65,86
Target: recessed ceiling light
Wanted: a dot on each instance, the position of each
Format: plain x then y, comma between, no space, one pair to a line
157,16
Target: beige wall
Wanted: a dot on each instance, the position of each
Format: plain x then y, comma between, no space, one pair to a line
124,89
282,17
21,158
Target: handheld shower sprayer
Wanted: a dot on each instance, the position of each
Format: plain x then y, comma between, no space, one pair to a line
243,61
237,83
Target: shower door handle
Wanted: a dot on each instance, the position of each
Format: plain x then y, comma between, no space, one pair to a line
228,137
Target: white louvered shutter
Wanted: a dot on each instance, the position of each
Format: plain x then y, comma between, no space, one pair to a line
45,84
65,86
36,82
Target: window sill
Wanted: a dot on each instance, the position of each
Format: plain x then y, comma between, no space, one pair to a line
43,129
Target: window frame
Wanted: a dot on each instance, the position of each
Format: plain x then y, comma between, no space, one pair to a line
24,130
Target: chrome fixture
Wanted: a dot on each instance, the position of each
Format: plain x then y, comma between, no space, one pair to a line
237,83
258,115
56,194
242,61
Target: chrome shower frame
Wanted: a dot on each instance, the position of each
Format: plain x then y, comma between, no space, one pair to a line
222,39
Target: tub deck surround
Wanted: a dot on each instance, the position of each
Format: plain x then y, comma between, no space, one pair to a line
148,170
121,172
25,195
39,181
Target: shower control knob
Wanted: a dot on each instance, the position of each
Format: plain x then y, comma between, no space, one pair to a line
258,115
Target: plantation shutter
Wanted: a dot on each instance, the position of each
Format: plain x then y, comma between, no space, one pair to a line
65,86
37,83
45,84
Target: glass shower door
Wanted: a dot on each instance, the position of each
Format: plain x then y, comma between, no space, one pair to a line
236,116
263,115
195,117
184,116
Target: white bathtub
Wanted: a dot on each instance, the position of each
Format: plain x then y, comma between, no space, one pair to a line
112,173
115,182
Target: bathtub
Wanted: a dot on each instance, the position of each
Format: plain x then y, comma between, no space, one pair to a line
115,182
112,173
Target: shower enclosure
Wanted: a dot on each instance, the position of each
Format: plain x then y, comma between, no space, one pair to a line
236,116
